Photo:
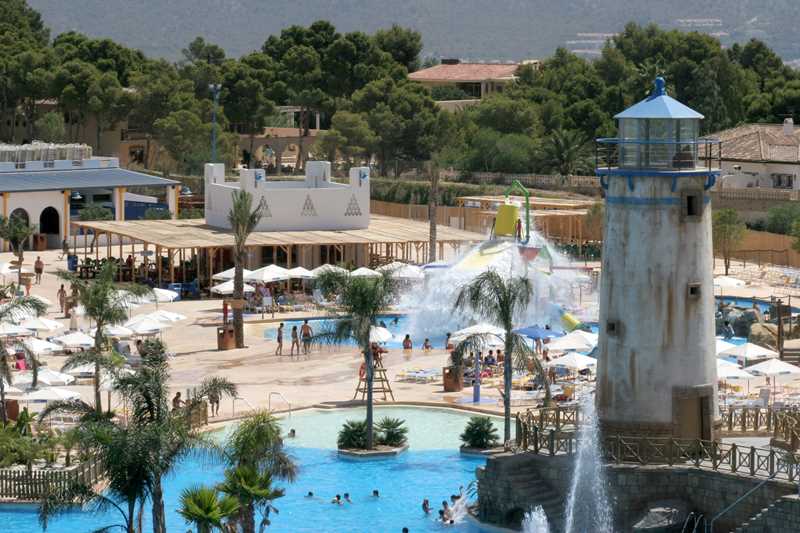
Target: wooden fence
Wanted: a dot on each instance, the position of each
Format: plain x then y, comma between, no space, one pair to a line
762,247
19,485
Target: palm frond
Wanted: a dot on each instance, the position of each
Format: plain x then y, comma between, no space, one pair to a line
69,407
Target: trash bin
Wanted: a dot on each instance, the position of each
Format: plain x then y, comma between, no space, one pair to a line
72,263
226,339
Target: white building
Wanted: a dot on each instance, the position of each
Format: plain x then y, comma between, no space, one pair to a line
316,203
47,184
760,155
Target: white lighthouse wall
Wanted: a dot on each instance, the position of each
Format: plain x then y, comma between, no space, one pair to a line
665,338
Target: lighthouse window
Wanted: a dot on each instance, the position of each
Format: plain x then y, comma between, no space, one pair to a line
692,205
694,290
612,328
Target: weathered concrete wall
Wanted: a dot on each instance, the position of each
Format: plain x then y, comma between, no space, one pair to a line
663,347
633,487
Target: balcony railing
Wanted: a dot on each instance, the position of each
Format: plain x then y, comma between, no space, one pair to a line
615,154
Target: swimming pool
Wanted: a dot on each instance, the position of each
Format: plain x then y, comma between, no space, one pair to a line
398,325
739,301
432,468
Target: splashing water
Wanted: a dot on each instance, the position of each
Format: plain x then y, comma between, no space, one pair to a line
535,521
588,507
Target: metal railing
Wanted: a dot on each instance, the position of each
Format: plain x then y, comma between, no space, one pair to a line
710,525
20,485
281,396
660,155
241,399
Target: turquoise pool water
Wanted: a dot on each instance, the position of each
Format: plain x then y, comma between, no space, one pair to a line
397,325
432,468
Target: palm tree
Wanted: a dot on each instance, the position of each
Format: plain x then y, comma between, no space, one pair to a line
499,301
203,507
254,455
15,308
433,202
106,303
243,220
565,151
361,300
16,231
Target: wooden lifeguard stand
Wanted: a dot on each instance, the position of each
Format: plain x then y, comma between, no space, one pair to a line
380,383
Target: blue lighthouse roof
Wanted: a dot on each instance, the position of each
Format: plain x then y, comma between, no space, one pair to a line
659,105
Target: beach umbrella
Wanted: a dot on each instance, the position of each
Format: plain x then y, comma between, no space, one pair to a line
538,332
748,352
727,282
300,273
570,342
365,272
722,345
40,347
49,394
76,339
114,330
10,267
42,299
591,338
163,295
268,274
16,314
379,334
775,367
82,371
478,329
328,268
146,326
403,271
573,361
227,288
391,267
228,274
12,330
46,376
727,371
41,323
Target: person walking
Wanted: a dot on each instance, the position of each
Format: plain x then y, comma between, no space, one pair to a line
64,249
61,296
279,349
295,342
306,332
38,269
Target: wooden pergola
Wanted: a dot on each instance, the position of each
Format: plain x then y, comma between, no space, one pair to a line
385,240
538,203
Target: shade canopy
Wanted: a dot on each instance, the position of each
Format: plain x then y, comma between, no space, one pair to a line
727,282
76,339
477,329
538,332
162,315
41,323
365,272
774,367
722,345
40,346
12,330
268,274
379,334
328,268
46,377
300,273
49,394
225,275
120,332
573,341
748,352
573,361
728,371
227,288
165,295
146,326
404,271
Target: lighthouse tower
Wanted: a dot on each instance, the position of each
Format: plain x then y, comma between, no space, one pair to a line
656,368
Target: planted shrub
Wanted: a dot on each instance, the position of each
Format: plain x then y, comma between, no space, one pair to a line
480,433
391,432
353,435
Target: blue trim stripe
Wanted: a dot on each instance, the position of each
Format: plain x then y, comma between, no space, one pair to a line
645,173
635,200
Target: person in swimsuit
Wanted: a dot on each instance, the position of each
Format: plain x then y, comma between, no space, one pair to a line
279,349
295,341
306,332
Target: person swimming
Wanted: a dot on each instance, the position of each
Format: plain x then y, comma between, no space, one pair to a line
337,500
310,494
426,506
448,513
347,497
292,433
375,493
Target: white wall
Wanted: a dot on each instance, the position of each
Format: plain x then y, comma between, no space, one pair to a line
755,174
666,338
315,204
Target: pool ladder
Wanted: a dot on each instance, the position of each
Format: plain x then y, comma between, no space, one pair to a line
282,397
239,398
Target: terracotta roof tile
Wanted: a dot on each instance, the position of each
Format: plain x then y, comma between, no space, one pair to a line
760,142
465,72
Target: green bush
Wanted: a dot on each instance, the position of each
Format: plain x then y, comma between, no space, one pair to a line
480,433
353,435
157,213
95,212
391,432
781,218
416,192
190,212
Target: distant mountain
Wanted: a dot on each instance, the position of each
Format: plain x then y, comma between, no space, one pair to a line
469,29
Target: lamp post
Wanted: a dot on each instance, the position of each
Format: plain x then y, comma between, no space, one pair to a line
215,89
